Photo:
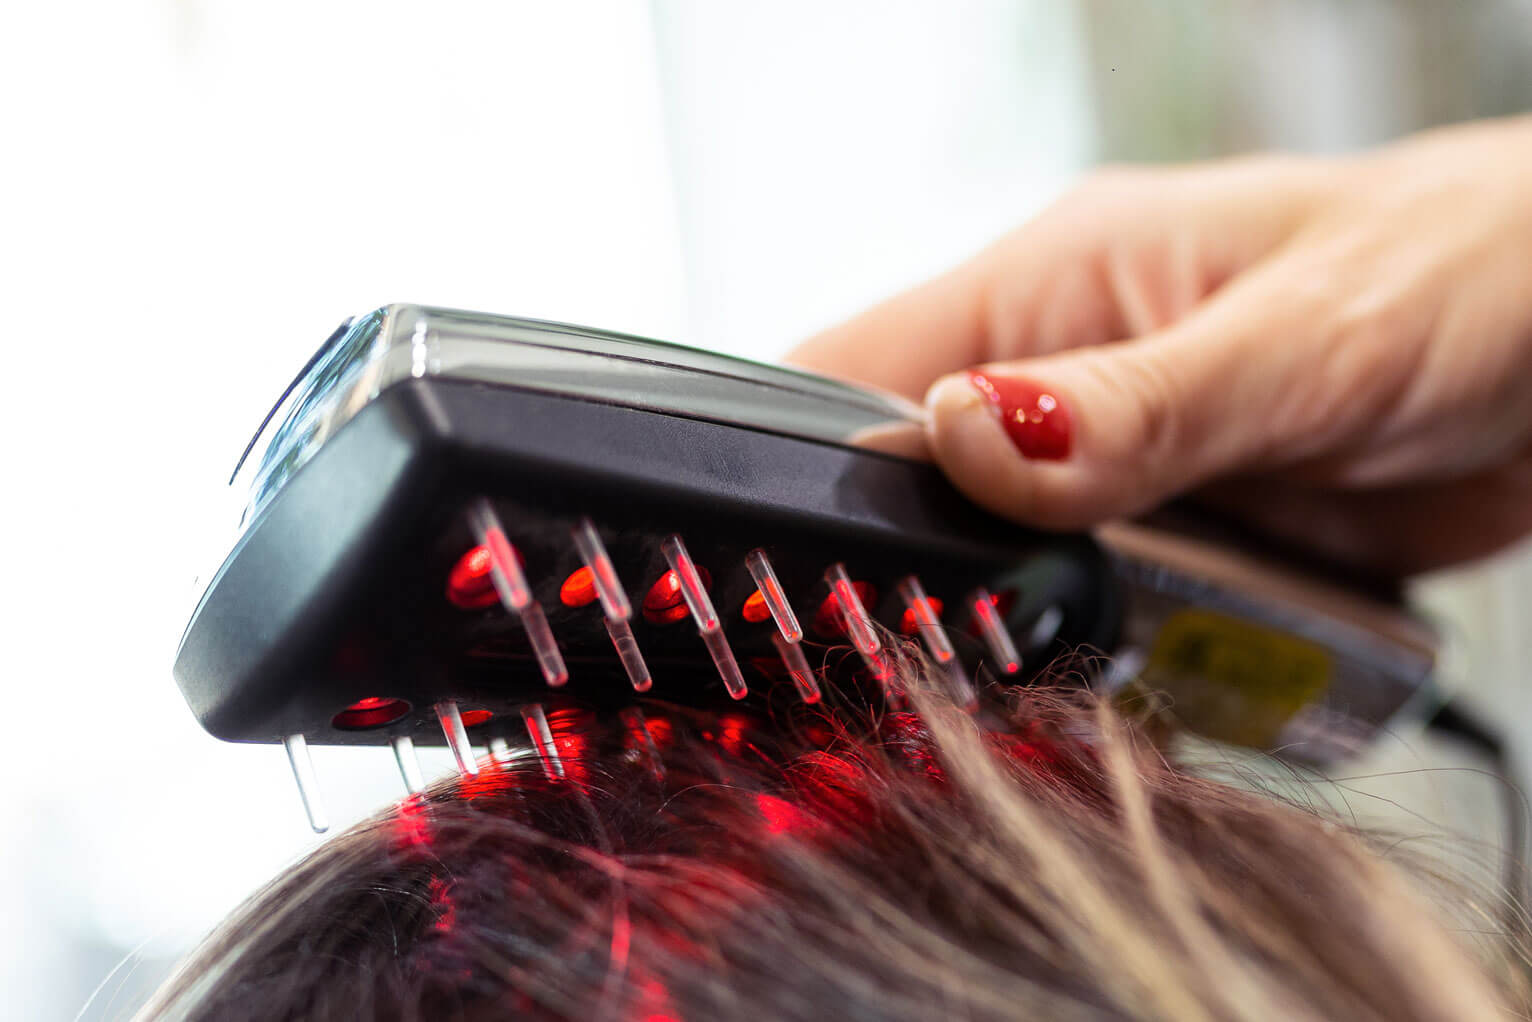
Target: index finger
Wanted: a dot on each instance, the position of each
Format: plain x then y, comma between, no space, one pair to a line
1124,255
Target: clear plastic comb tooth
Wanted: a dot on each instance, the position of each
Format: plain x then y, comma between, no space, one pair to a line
409,764
542,740
457,737
771,591
549,659
630,655
614,603
789,633
926,621
963,692
993,629
308,785
614,600
797,667
859,626
511,585
701,606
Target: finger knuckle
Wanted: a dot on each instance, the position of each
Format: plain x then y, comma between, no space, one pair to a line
1154,421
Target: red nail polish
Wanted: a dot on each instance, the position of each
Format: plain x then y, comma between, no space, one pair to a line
1035,420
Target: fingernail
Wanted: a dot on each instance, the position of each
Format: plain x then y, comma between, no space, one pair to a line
1033,417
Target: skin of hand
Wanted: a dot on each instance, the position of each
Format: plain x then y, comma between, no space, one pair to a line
1338,351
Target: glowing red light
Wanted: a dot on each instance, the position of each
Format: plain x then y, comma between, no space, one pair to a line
661,731
374,711
909,624
469,584
664,604
473,718
781,816
830,621
1002,601
579,589
755,610
439,892
412,827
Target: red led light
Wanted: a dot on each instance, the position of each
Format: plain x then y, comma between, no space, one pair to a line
469,584
579,589
473,718
830,621
374,711
1002,601
755,610
664,604
909,624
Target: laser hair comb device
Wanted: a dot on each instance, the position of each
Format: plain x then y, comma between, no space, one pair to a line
455,520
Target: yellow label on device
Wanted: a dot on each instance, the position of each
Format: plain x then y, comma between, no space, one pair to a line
1232,680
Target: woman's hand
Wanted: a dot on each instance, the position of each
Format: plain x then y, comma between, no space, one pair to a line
1340,351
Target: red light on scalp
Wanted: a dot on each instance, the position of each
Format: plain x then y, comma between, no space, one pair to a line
374,711
579,589
473,718
909,624
664,604
755,610
830,620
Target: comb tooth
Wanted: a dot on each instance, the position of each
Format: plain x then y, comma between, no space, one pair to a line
797,666
789,633
549,658
859,625
542,740
500,750
692,589
628,652
993,629
708,625
723,659
457,737
771,592
308,785
614,603
504,568
930,626
511,585
614,600
409,764
963,691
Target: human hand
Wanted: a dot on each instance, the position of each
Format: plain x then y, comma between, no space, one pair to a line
1339,351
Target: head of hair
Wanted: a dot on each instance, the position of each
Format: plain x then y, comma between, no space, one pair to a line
1039,859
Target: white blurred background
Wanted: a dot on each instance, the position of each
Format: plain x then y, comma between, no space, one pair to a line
200,190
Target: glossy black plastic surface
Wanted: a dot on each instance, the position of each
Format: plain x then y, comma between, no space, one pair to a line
337,589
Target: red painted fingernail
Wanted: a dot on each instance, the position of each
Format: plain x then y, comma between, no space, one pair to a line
1033,417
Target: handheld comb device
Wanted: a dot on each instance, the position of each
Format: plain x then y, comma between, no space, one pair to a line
457,519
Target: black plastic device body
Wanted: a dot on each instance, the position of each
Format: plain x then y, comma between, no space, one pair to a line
336,591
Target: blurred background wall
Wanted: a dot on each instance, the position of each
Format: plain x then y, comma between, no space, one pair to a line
199,190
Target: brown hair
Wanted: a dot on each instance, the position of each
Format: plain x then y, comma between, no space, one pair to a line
1039,860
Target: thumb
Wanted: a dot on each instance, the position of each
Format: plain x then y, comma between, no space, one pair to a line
1074,438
